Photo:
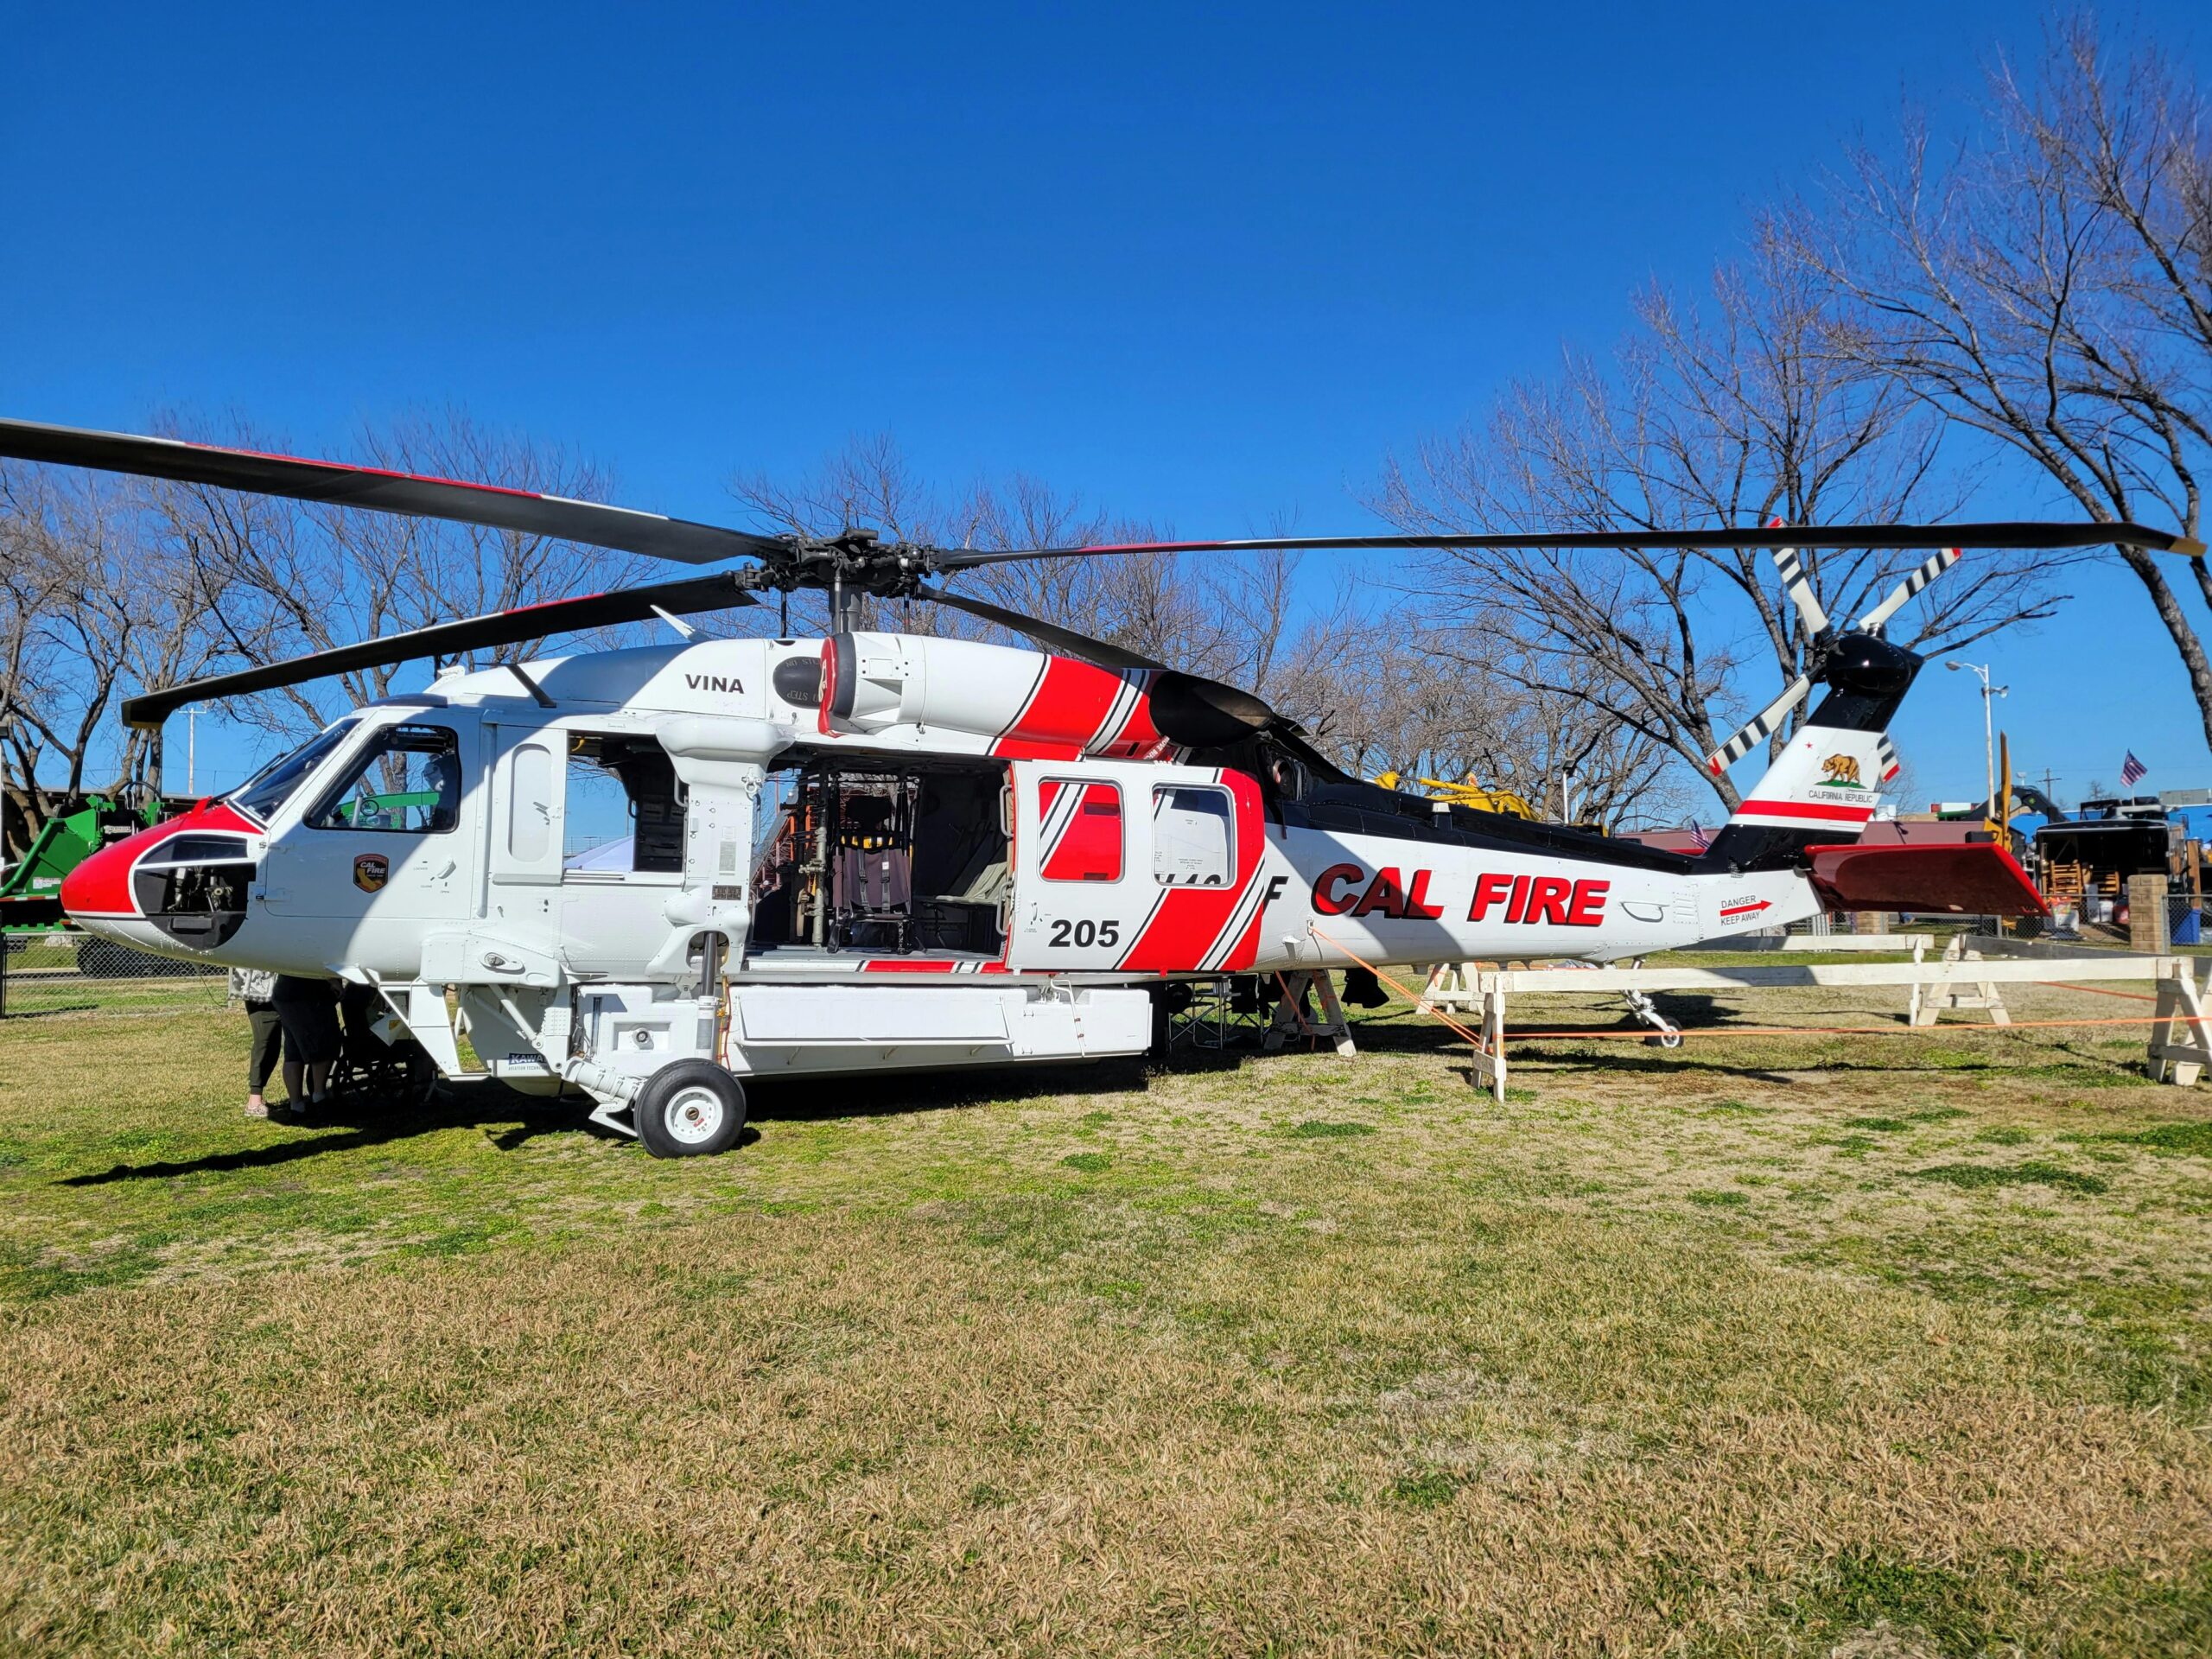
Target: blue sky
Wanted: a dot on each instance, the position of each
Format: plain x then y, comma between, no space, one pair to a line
1208,266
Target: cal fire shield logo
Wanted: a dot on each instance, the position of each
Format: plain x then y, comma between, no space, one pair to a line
370,872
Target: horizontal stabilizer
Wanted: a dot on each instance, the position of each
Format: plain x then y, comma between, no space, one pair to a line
1967,878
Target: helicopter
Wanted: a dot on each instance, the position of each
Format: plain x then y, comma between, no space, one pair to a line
883,851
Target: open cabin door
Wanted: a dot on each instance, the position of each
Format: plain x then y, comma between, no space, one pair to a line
1141,867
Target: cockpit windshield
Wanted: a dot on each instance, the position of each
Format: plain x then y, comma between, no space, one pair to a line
270,788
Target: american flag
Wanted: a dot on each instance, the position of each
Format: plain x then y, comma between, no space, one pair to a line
1698,838
2131,770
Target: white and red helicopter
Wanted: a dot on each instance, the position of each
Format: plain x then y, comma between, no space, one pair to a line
886,850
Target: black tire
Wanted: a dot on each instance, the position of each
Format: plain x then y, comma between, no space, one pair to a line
105,959
688,1108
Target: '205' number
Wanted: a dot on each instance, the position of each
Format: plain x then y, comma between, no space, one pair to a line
1085,933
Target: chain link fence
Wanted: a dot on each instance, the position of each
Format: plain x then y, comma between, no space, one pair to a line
73,973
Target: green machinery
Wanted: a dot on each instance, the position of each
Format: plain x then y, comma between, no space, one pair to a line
30,892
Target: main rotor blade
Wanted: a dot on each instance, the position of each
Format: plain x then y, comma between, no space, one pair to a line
715,593
341,484
2040,536
1905,589
1045,634
1759,728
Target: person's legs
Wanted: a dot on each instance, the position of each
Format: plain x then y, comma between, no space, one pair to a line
295,1065
325,1041
263,1055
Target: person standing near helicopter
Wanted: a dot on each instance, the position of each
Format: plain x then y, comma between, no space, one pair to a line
307,1010
256,988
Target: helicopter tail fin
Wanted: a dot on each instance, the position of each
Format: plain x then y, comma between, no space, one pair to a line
1824,786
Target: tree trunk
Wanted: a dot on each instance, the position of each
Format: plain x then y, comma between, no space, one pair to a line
2180,630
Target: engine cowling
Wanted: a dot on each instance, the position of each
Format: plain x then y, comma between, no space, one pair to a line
1029,704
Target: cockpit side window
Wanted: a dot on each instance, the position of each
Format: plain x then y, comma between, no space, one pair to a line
264,794
407,782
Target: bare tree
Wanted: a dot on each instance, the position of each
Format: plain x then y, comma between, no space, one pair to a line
1374,694
291,577
1238,622
2048,284
110,587
1735,414
1455,705
93,602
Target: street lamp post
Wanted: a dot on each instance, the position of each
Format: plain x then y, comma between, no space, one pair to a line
1988,725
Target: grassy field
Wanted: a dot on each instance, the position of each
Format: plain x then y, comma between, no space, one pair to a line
1818,1346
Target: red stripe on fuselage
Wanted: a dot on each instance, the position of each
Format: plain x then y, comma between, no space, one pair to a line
1188,920
1805,810
1071,702
1137,738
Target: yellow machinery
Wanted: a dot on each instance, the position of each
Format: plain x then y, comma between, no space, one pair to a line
1467,794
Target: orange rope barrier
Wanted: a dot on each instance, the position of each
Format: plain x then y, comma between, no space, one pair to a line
1404,990
2097,990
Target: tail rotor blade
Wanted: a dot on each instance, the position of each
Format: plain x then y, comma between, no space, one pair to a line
1905,589
1800,588
1760,729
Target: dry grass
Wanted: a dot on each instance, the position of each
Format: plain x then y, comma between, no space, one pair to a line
1698,1351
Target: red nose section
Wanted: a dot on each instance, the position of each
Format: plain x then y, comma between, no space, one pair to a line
101,887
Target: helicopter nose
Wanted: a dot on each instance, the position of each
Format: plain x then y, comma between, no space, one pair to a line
103,896
96,895
99,890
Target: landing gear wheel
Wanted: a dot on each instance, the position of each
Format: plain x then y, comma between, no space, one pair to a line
688,1108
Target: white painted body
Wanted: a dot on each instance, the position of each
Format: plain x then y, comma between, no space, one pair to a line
559,968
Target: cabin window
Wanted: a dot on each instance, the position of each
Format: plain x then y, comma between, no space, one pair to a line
1078,830
407,782
625,809
1191,843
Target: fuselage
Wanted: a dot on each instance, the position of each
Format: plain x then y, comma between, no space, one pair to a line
870,803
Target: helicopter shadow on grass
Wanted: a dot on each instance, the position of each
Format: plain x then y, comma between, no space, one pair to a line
511,1120
354,1123
1699,1011
1402,1031
795,1100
